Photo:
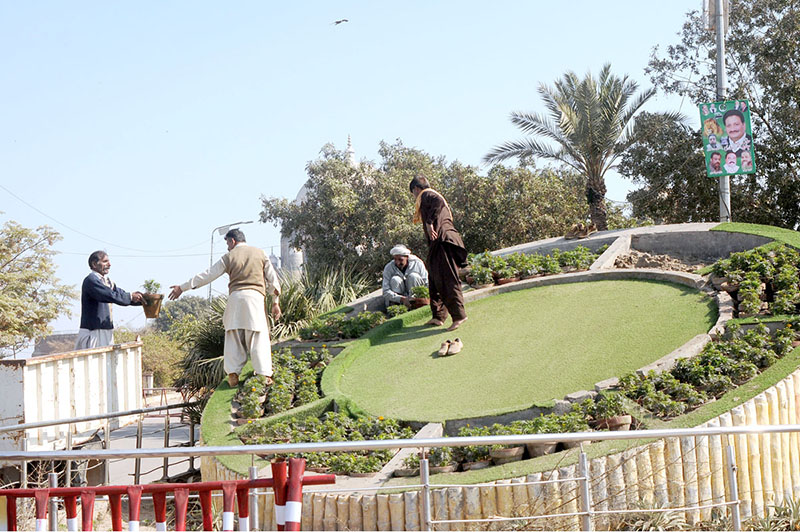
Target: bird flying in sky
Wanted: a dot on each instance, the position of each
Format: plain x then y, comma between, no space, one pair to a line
337,22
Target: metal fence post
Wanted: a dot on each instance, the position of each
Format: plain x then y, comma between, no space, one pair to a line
253,500
736,519
137,463
586,496
52,518
424,474
165,476
107,475
68,479
192,442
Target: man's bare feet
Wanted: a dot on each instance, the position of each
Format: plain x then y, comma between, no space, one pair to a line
434,322
456,324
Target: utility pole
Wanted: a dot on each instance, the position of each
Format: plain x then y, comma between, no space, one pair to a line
720,23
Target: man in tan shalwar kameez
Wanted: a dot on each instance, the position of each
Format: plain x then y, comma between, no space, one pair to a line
252,277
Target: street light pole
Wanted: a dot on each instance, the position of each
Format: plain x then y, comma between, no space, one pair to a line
222,230
722,90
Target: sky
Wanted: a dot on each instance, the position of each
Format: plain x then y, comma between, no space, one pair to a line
139,127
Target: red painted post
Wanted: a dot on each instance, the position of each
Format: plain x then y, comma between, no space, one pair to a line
115,502
242,500
87,509
228,494
279,487
71,506
11,512
181,505
134,507
207,509
160,507
41,496
294,493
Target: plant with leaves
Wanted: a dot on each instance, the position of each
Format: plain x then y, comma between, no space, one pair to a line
161,354
589,122
396,310
31,296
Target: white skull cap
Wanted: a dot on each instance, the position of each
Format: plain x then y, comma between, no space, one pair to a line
400,249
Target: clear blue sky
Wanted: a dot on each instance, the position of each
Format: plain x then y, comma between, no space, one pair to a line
138,127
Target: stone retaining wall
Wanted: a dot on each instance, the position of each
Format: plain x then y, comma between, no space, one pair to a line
672,472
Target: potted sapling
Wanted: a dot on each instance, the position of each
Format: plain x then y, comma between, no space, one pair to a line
420,297
152,298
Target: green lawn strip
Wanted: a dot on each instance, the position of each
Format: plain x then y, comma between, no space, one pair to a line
787,236
752,320
737,396
522,349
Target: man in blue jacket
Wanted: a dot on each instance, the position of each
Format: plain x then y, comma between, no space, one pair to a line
98,292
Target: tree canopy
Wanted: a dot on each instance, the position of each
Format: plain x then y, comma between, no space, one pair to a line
762,62
354,215
30,294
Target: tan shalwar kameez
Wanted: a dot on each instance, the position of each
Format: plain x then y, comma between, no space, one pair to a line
245,318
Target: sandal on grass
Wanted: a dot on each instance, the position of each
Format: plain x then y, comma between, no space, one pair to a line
455,347
445,348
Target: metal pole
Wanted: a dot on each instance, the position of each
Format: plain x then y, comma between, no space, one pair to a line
733,485
424,474
165,476
137,467
23,479
211,259
253,501
191,441
107,475
52,518
586,496
68,480
722,93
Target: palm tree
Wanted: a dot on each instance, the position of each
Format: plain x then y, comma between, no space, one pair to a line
590,121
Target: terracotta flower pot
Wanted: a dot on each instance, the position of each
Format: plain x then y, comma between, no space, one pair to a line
541,449
614,423
406,472
507,454
506,280
418,302
442,469
480,464
152,305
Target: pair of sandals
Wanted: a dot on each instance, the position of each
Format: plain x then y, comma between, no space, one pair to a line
451,347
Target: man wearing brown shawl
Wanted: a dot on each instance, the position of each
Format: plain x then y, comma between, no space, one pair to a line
446,253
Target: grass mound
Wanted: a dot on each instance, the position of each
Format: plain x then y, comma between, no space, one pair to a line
525,348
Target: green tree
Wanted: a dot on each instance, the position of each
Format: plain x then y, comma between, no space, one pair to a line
588,121
353,216
174,311
161,355
762,61
31,296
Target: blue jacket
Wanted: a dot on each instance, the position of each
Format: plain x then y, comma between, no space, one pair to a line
96,299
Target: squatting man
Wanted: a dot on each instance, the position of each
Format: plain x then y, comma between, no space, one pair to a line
251,278
401,275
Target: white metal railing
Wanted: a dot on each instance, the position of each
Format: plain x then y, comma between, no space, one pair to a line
586,512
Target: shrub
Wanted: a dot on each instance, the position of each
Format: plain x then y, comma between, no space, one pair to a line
396,310
421,292
335,326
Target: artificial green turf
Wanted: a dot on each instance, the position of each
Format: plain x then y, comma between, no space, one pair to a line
524,348
779,234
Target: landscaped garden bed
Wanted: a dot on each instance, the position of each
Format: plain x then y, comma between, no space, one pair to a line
486,269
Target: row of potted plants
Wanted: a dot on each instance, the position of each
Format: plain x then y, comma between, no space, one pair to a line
485,269
296,382
720,366
764,280
331,426
338,326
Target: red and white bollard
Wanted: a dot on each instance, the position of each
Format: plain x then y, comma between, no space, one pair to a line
87,509
71,506
134,507
160,508
41,497
294,493
11,512
279,487
181,506
228,500
206,509
115,503
243,505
